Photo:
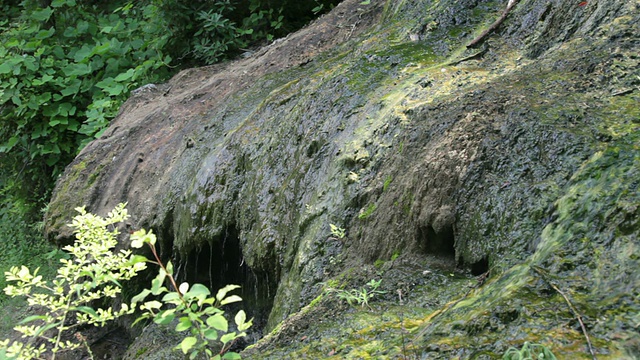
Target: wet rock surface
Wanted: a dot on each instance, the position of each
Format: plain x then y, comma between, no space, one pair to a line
478,191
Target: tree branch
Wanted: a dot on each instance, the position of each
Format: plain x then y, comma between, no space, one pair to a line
573,309
493,26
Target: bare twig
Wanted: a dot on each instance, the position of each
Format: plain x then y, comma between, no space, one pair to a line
544,277
473,56
493,26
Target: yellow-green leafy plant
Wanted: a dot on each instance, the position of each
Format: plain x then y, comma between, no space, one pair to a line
196,311
337,231
92,272
529,351
360,296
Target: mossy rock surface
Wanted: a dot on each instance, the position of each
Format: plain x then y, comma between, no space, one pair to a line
505,176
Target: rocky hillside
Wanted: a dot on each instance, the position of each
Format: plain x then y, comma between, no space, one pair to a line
492,188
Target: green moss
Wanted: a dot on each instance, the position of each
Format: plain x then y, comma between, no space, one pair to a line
365,213
378,263
387,183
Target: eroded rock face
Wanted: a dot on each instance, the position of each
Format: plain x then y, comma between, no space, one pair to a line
366,119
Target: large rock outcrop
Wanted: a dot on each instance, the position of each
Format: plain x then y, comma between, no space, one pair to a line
518,159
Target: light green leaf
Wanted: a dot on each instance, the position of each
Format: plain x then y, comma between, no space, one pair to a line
232,356
76,69
228,337
156,283
218,322
153,304
171,297
141,296
5,68
211,334
183,324
197,291
125,76
240,317
230,299
223,292
72,88
187,343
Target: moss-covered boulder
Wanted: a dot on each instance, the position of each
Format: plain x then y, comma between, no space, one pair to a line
493,188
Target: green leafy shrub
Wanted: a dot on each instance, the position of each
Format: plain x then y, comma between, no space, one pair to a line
93,272
197,312
204,32
65,69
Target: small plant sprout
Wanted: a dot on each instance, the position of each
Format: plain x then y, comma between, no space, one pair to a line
529,351
337,231
360,296
197,312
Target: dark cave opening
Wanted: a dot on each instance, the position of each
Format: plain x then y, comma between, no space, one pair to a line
440,243
480,267
220,263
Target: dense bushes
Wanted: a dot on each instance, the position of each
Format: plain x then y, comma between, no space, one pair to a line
66,66
65,69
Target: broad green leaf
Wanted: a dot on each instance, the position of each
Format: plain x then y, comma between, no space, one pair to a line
31,63
153,304
77,70
187,343
171,297
82,54
44,34
198,291
125,75
101,49
211,334
5,68
218,322
9,144
231,356
71,89
42,15
50,110
183,324
240,317
58,3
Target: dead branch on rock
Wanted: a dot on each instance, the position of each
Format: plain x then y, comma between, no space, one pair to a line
544,277
493,26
